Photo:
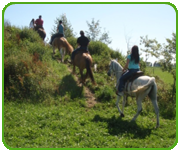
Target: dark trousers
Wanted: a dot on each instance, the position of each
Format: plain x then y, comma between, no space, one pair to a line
124,78
83,48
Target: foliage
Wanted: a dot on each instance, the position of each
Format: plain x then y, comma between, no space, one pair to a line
68,30
28,68
72,41
95,34
167,51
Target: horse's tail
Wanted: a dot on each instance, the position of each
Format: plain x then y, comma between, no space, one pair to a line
151,82
89,70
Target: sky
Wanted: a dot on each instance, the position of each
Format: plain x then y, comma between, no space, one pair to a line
121,21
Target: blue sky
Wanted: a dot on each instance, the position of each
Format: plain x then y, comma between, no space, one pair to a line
120,20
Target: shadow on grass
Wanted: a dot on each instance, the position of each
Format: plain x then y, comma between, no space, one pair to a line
68,86
118,126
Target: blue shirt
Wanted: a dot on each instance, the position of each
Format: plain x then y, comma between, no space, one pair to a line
61,29
132,64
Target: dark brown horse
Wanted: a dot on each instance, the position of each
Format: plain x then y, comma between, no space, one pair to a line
63,46
41,32
84,61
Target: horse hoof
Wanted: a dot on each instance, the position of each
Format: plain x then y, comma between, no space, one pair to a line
122,115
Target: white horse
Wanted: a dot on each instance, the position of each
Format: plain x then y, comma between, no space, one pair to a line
139,88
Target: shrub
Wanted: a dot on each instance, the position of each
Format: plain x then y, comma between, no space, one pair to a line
24,69
72,41
98,48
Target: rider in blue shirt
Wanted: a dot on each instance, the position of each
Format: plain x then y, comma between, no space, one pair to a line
60,33
133,65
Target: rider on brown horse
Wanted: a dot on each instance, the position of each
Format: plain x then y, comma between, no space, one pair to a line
60,29
39,23
83,43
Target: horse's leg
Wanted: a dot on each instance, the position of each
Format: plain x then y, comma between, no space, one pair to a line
153,96
73,69
81,72
124,102
62,55
53,49
139,99
154,102
117,105
86,75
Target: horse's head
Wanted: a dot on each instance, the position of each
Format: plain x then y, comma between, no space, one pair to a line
114,68
110,68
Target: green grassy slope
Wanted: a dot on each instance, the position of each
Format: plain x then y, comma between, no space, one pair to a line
43,107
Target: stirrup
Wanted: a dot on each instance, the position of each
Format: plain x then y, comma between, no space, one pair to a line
120,93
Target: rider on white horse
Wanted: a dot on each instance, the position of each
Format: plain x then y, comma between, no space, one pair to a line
133,66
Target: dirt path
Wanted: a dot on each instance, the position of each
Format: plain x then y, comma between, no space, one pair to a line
90,98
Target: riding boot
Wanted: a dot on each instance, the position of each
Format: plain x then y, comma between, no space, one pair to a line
119,93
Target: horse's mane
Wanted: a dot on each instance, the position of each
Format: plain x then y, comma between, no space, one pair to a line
117,65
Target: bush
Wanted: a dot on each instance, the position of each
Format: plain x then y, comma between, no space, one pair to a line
24,69
73,42
98,48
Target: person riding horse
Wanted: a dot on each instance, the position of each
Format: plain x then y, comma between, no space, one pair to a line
39,23
38,27
83,43
133,66
32,24
60,30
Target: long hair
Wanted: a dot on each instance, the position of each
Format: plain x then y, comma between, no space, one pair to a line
135,54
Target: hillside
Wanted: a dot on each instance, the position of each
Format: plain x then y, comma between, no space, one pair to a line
45,106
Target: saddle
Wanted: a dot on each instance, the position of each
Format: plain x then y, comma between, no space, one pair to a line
132,78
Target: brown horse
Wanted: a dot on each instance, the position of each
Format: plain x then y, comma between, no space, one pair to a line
84,61
41,32
63,46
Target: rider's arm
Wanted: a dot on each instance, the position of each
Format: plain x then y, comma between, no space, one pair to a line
126,66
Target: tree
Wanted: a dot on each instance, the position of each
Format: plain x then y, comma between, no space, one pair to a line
166,51
68,30
94,33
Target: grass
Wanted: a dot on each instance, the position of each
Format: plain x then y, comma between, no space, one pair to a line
163,75
43,107
71,125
